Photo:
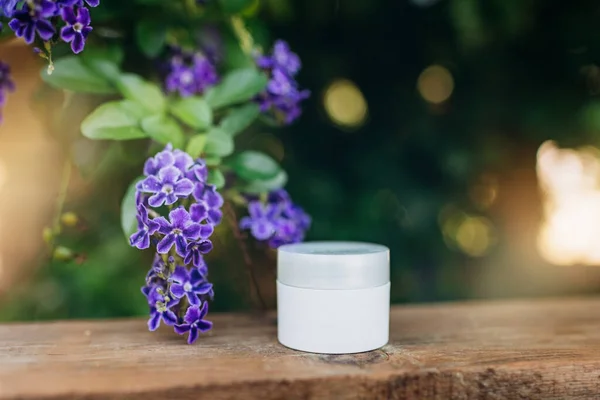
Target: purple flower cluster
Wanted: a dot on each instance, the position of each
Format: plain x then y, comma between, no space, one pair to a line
6,84
40,17
176,287
278,221
282,96
189,73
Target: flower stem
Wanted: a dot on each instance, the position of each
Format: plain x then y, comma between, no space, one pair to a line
240,238
62,193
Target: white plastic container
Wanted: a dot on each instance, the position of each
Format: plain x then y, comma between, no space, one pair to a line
333,297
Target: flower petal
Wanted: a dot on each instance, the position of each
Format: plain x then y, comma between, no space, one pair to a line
157,199
169,318
165,244
151,185
183,188
198,212
262,229
193,299
177,290
215,216
169,174
193,335
180,275
203,310
83,16
192,315
68,15
196,277
44,29
256,209
67,33
154,321
206,230
164,226
205,246
179,217
181,329
204,326
203,288
181,245
78,43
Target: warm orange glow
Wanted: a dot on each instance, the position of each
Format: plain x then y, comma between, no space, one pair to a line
435,84
569,179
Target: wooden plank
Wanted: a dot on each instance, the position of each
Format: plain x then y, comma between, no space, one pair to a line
542,349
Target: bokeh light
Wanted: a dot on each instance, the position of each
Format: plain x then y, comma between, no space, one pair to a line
570,232
473,235
435,84
484,192
345,104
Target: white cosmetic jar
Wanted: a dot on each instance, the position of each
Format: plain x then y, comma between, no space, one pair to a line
333,297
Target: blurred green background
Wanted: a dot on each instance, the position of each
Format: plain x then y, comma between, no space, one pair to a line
422,133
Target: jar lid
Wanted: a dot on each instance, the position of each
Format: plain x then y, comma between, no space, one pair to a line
333,265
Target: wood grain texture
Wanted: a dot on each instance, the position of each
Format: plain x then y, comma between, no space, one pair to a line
542,349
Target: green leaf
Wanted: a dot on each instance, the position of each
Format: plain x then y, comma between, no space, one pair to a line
133,87
196,145
212,161
113,54
105,68
116,120
218,143
71,74
215,177
129,210
240,118
163,129
193,111
237,86
260,186
252,165
234,6
151,37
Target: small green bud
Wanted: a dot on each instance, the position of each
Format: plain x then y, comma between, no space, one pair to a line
48,235
69,219
161,306
62,254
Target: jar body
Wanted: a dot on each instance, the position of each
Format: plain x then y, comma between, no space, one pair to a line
333,321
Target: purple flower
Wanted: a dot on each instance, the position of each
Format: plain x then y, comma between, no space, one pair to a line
189,75
32,18
182,160
167,187
178,231
77,29
146,227
194,323
8,7
68,3
190,284
261,220
198,172
282,58
282,97
6,83
91,3
195,250
279,220
211,201
160,308
161,160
